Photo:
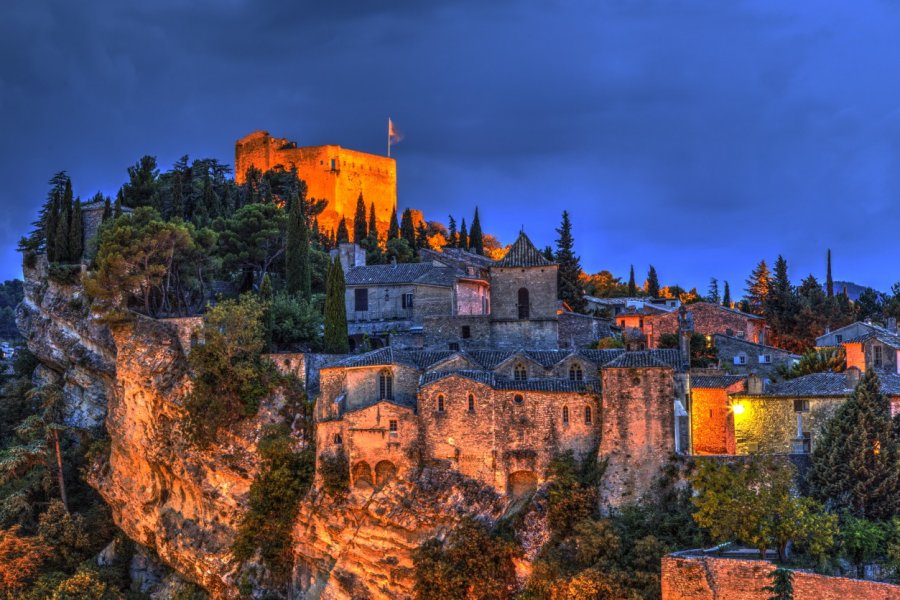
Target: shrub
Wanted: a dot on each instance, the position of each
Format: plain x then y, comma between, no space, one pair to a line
83,585
292,320
20,559
335,471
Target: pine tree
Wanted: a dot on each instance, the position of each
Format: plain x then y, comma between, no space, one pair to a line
652,285
782,585
336,336
452,236
548,253
393,228
855,461
360,226
632,286
117,206
373,223
50,214
265,289
342,236
107,210
177,198
421,237
758,287
712,295
63,225
829,282
463,236
726,296
407,228
297,269
779,305
569,271
476,237
76,233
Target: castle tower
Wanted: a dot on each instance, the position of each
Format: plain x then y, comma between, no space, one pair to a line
333,173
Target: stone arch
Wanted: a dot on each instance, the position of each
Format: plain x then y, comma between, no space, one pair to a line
521,483
385,471
361,473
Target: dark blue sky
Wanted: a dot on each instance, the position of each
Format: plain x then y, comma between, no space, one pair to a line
699,136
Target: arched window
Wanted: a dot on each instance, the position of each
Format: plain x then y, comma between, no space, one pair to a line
520,373
587,415
386,385
576,373
471,403
523,303
440,403
518,399
338,439
565,415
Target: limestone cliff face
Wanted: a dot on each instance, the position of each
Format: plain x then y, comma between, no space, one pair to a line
186,502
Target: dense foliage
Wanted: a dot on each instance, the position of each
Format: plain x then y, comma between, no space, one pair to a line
11,293
826,360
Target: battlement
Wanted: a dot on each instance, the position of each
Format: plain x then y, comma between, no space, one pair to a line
331,172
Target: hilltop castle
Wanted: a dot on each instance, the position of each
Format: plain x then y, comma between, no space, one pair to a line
331,173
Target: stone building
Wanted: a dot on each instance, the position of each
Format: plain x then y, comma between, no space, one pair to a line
875,349
709,319
739,355
500,416
835,338
712,422
331,172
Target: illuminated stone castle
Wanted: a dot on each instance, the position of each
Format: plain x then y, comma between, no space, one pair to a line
330,172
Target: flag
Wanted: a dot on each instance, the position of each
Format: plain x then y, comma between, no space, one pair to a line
394,134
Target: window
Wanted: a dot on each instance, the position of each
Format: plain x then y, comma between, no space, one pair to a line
520,373
471,403
333,164
466,332
440,403
765,359
454,346
640,323
565,415
386,385
622,323
877,359
587,415
392,426
523,303
575,373
839,338
361,297
801,405
518,399
740,359
407,300
807,442
337,439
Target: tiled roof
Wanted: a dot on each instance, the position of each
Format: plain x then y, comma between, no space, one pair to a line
827,384
715,381
882,335
421,273
549,384
749,343
389,356
523,254
637,360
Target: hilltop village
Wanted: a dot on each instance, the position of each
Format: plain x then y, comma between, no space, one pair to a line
276,384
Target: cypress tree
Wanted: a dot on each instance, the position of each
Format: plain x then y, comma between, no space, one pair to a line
76,233
726,296
373,224
652,282
421,237
569,272
452,237
360,226
632,286
393,228
342,236
336,337
855,462
107,210
463,236
407,229
476,238
829,282
50,214
63,226
297,253
117,206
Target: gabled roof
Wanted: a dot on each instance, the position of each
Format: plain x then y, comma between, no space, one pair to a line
882,335
523,254
544,384
390,356
749,343
826,385
715,381
402,273
637,360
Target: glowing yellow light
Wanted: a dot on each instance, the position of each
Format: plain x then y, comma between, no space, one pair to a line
737,409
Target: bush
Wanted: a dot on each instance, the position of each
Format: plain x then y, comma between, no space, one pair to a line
83,585
293,320
64,274
335,471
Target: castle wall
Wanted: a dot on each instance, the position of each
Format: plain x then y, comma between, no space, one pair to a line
638,430
710,578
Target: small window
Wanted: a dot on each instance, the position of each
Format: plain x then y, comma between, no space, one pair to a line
807,442
471,403
440,403
520,373
839,338
576,373
640,323
801,405
518,398
338,440
622,323
334,164
454,346
878,356
740,359
765,359
361,297
392,426
407,300
565,415
587,415
466,332
386,385
524,303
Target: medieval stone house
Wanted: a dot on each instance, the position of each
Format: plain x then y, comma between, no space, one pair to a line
741,356
708,319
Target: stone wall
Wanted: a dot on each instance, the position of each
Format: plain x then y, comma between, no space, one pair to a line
712,423
472,297
441,331
767,424
385,302
533,333
187,328
709,319
540,283
637,431
376,453
709,578
728,347
579,331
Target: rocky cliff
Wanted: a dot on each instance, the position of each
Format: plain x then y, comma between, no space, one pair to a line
186,502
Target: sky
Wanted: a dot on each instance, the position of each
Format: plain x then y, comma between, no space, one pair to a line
697,136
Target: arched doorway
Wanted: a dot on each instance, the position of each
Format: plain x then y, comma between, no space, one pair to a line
521,483
362,474
385,471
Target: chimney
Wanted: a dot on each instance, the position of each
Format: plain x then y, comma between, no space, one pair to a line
852,375
892,324
755,385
